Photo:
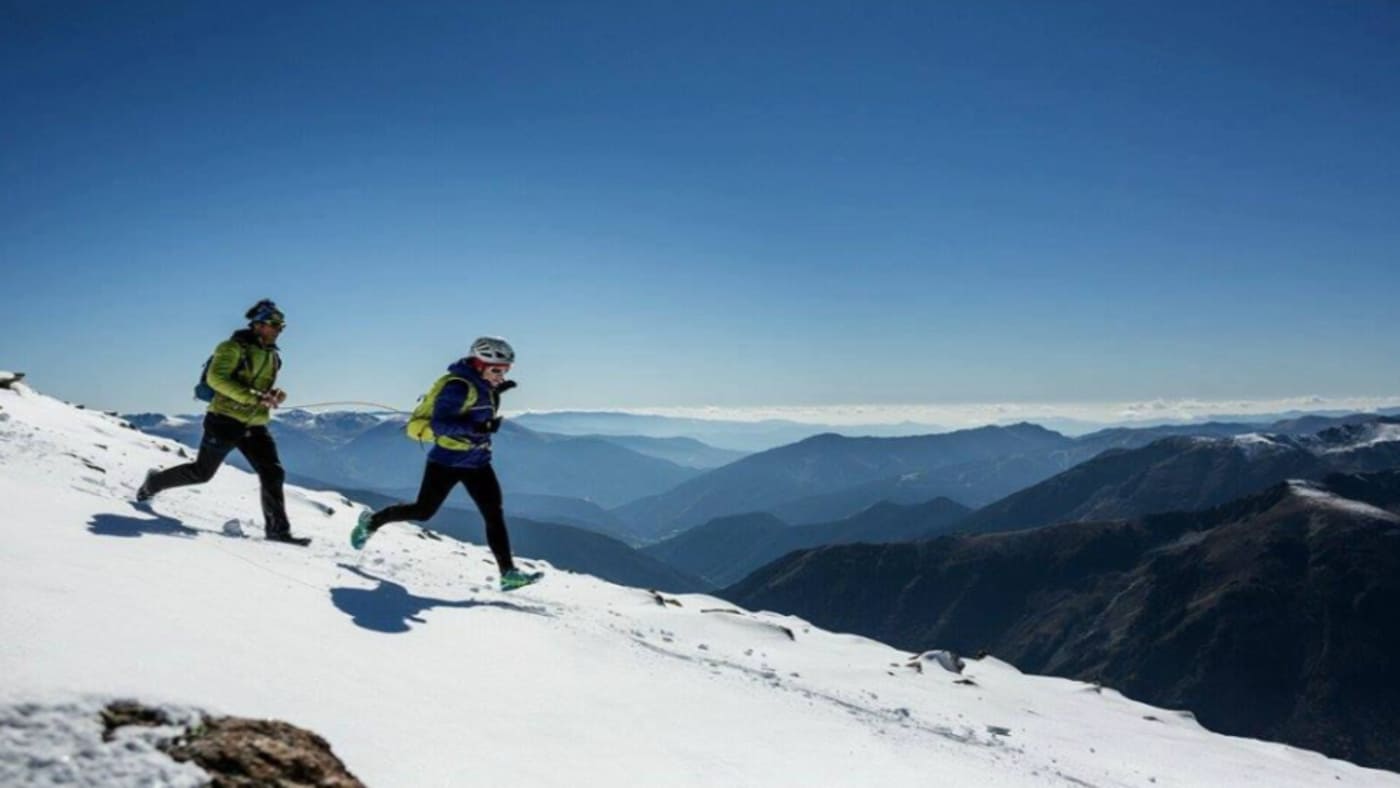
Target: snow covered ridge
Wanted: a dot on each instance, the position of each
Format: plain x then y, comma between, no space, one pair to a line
418,672
1366,436
1325,498
1332,441
1254,444
1253,439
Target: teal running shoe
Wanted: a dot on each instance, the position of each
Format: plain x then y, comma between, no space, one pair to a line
515,578
362,531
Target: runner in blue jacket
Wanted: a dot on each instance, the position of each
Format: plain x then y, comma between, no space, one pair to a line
465,404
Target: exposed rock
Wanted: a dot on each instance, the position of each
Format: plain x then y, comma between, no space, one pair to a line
244,752
121,713
240,752
663,600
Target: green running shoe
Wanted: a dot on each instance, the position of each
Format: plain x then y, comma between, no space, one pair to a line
362,531
515,578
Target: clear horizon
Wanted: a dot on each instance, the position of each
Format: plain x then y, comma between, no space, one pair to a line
964,415
727,206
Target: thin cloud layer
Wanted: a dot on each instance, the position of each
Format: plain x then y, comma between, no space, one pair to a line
959,415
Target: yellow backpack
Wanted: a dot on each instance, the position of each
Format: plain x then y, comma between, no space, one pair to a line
420,422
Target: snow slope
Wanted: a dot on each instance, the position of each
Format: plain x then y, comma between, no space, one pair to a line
419,672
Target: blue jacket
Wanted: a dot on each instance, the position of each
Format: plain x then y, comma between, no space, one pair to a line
450,420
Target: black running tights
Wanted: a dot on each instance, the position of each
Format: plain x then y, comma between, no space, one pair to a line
223,434
438,481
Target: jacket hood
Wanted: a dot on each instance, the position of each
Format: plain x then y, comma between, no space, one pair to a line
463,368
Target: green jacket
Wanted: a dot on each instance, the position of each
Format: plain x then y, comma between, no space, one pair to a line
240,366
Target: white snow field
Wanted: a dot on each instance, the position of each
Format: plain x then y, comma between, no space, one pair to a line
419,672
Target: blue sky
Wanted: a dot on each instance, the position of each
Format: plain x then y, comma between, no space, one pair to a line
733,204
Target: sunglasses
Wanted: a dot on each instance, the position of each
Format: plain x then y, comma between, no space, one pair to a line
496,370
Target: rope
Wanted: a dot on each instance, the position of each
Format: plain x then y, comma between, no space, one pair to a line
311,405
267,569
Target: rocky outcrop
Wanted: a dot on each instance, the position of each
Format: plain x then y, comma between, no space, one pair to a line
238,752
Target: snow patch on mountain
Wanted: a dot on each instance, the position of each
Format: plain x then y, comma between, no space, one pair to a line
1256,444
1252,439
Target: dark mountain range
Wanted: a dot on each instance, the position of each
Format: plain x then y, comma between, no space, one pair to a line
563,546
829,476
905,489
1272,616
686,452
976,483
726,547
1136,437
725,550
742,436
981,482
1309,424
1273,420
574,512
733,435
826,463
1186,473
1170,474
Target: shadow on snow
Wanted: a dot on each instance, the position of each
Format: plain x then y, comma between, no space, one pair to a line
389,607
128,526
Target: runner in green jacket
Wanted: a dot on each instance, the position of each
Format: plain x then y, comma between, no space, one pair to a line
243,375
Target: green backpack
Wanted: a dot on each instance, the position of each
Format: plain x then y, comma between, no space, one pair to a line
420,422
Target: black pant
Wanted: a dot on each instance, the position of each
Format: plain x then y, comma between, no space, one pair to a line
438,481
222,435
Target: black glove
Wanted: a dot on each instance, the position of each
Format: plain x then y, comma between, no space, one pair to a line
493,424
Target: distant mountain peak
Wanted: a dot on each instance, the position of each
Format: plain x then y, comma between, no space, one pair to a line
823,438
1029,428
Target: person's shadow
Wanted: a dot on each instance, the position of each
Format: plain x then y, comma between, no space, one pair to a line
130,527
389,607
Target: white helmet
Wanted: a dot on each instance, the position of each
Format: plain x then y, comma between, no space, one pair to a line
493,350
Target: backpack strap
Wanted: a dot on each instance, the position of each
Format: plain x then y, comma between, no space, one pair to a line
245,362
